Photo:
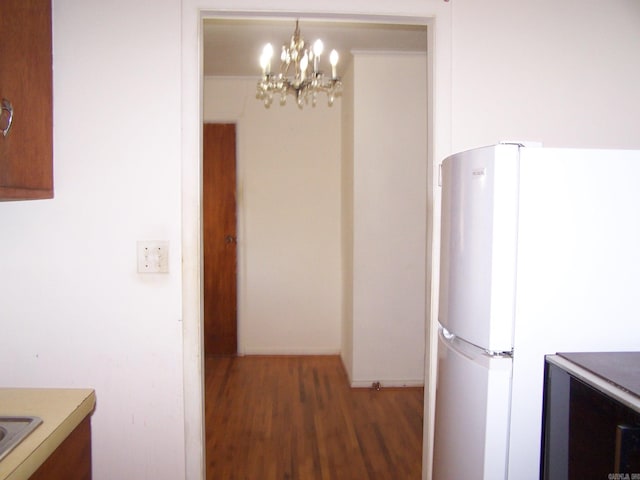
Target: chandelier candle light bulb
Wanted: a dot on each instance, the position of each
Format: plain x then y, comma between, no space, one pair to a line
318,48
333,60
265,59
304,63
304,79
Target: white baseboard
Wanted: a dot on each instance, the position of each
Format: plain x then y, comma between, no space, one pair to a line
388,383
289,351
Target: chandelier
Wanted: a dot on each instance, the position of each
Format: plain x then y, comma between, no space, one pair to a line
299,74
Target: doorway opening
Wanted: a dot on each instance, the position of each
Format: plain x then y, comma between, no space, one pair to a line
190,222
290,183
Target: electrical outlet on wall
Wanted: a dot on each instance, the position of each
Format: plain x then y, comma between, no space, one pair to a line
153,256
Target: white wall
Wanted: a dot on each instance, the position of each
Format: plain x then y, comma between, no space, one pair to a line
126,95
288,163
73,310
389,218
563,73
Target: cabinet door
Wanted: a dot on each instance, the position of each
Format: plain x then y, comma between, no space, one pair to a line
72,459
26,151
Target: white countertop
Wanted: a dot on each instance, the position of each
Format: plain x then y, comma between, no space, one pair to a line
61,411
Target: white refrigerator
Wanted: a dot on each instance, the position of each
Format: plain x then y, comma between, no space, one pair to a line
540,253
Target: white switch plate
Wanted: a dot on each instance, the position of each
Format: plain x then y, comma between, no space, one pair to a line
153,256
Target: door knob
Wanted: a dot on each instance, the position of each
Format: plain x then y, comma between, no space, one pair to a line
230,239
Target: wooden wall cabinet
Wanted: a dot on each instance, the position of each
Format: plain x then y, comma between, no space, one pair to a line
26,82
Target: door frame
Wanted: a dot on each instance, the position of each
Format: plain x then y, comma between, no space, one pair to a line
436,15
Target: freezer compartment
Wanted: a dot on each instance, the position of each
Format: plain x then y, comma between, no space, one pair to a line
472,411
478,245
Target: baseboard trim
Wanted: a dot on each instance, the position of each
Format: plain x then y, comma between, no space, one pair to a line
288,351
388,383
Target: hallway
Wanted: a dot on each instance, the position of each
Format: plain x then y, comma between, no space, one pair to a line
297,418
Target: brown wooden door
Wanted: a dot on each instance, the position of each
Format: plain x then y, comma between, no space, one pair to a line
219,239
26,152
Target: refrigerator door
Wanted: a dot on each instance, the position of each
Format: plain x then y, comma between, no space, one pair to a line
478,245
472,413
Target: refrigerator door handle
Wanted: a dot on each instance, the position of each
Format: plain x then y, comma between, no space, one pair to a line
503,354
470,350
447,334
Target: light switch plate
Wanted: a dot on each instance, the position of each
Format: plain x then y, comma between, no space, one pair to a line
153,256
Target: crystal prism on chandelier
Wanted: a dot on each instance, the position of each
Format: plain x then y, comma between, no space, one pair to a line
299,74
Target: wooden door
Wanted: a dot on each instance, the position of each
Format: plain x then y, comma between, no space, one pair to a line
219,239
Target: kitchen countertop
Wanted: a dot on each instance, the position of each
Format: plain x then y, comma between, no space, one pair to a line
61,411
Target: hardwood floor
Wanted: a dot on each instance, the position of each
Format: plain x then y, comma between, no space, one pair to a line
289,418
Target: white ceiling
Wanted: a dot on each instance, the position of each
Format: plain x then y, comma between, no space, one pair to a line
232,47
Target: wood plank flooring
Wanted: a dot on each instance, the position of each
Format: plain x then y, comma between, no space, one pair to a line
289,418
